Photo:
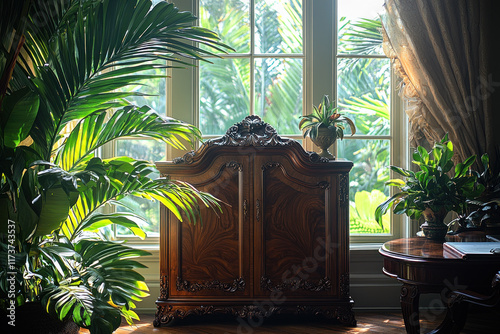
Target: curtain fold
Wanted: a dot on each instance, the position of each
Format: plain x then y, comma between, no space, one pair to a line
440,49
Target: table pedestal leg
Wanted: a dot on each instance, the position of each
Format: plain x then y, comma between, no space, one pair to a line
454,321
409,306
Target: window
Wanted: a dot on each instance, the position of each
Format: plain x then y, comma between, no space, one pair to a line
288,54
264,76
365,93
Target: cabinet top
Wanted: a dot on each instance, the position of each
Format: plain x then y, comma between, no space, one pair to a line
254,136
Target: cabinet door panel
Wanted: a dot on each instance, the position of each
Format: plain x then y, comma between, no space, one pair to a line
293,231
208,258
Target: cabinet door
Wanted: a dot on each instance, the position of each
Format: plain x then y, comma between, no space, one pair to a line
294,240
210,258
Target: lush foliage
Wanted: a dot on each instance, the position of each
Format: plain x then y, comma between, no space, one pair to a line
225,85
326,115
362,213
432,187
485,209
363,96
64,66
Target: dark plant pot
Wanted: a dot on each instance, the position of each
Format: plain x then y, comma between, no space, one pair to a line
32,318
325,138
434,231
434,228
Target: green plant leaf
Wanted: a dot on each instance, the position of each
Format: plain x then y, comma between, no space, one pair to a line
424,156
386,205
124,219
19,111
396,182
401,171
55,208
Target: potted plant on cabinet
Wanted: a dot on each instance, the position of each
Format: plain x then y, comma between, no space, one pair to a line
431,192
324,125
60,103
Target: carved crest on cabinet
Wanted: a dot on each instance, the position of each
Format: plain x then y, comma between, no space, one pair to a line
252,131
237,285
185,159
295,284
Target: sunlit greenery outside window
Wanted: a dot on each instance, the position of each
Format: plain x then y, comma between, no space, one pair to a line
154,95
364,94
270,74
264,76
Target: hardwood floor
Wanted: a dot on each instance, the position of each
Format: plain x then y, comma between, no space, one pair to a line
479,321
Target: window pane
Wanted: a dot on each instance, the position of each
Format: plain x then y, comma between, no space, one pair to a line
278,26
152,91
363,93
278,93
230,19
150,150
224,94
359,27
366,189
144,208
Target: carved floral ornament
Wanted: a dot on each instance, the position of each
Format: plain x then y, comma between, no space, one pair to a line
252,131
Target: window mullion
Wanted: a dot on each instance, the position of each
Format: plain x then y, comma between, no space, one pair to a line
252,58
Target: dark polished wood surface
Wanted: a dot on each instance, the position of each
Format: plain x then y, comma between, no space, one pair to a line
422,266
423,248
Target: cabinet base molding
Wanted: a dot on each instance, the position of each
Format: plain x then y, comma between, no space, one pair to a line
253,313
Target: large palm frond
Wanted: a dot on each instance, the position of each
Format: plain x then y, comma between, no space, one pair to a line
104,271
97,54
122,177
96,130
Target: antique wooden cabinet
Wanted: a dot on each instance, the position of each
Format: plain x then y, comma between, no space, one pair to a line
281,245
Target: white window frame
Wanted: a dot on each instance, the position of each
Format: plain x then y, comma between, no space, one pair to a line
320,77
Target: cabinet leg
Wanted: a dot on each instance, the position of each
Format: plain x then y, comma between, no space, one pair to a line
409,306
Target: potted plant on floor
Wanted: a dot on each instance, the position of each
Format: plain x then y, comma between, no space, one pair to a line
62,64
431,192
324,125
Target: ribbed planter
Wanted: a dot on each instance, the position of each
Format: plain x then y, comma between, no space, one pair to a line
325,138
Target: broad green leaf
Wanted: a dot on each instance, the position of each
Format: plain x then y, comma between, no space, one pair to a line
19,111
396,183
55,208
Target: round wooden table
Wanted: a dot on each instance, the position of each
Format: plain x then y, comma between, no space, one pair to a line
422,267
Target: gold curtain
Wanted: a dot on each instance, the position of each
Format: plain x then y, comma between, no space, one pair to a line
441,51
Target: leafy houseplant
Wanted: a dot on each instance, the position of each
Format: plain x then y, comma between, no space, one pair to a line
431,192
324,125
63,66
484,210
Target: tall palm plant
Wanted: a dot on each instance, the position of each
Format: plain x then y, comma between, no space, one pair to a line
64,64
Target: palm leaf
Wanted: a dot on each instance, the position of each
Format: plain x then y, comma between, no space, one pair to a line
93,132
70,299
73,85
124,176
